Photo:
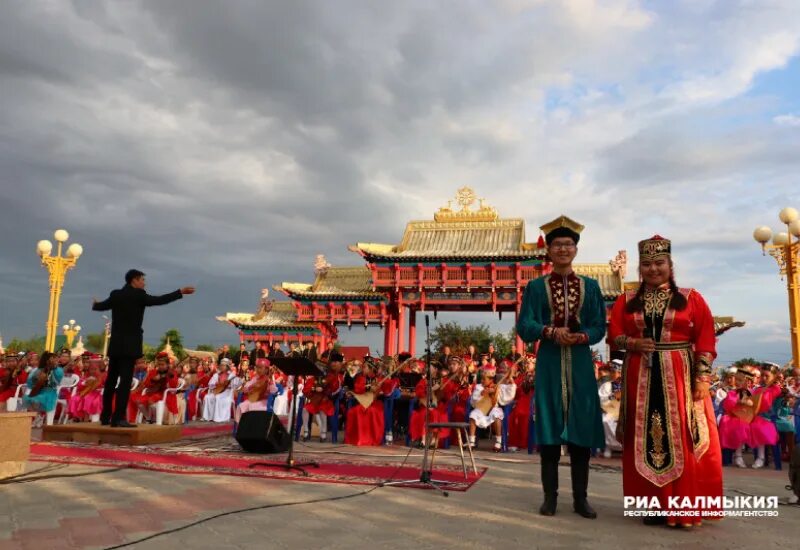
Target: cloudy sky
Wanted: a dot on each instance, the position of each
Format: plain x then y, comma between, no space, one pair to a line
224,144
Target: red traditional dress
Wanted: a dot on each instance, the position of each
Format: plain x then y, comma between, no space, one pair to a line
192,403
458,412
520,417
671,446
364,425
9,382
321,401
154,387
416,424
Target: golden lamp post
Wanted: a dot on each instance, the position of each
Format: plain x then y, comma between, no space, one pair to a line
785,248
57,266
71,331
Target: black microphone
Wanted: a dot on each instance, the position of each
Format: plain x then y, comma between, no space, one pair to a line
427,321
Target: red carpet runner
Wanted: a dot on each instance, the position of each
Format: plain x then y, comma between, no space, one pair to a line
331,470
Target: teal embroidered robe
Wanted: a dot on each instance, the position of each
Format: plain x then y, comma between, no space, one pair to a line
567,406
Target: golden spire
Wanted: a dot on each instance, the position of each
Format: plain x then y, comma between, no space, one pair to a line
466,198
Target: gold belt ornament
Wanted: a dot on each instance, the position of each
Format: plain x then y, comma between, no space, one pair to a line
672,346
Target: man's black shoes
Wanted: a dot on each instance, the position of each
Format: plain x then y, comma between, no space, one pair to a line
582,508
548,507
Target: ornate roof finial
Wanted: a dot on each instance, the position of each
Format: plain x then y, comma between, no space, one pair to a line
466,197
321,265
264,305
619,264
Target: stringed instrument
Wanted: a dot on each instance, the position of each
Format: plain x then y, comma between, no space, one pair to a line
91,384
257,391
747,407
368,397
487,402
222,386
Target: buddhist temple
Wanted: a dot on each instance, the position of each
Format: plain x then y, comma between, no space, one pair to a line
467,258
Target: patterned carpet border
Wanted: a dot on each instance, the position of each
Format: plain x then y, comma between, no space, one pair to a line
331,469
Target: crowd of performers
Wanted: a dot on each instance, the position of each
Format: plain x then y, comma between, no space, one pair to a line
755,407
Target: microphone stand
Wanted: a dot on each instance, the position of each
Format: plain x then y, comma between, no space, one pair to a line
425,474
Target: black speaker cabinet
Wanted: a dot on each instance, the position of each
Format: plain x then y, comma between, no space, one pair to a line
262,432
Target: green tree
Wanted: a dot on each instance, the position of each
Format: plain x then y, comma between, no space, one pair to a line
746,361
94,342
206,347
459,338
31,344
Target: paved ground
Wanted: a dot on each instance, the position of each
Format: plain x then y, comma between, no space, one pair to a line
107,509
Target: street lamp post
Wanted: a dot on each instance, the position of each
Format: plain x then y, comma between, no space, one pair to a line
785,248
106,334
71,331
57,266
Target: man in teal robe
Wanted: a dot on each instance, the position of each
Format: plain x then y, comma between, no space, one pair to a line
566,313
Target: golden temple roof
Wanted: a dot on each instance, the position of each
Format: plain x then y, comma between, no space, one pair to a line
350,282
281,316
464,233
610,281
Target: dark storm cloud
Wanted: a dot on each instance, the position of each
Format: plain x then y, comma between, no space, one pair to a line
224,144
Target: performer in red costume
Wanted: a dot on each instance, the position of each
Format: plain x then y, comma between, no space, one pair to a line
670,443
365,424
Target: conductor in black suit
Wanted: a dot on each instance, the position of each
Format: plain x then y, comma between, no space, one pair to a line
127,313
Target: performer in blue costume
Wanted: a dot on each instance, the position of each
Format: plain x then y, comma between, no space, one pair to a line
566,313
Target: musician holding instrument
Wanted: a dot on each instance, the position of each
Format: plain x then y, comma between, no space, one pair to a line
156,383
257,390
218,400
522,413
12,374
442,390
320,395
566,313
88,398
485,411
610,398
670,444
365,422
43,385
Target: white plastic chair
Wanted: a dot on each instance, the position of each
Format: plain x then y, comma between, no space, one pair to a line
13,402
68,382
161,405
201,393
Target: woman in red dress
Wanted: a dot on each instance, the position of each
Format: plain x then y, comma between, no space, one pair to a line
365,424
520,417
670,440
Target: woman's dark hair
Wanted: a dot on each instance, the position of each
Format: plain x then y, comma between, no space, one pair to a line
132,274
45,358
678,301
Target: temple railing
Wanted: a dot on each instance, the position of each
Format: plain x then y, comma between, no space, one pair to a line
445,276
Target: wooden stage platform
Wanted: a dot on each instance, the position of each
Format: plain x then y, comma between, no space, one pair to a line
85,432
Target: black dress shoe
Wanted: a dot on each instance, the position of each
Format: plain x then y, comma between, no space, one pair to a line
104,422
548,507
122,424
582,508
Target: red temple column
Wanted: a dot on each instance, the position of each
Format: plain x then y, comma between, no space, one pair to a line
412,331
519,344
391,334
401,316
